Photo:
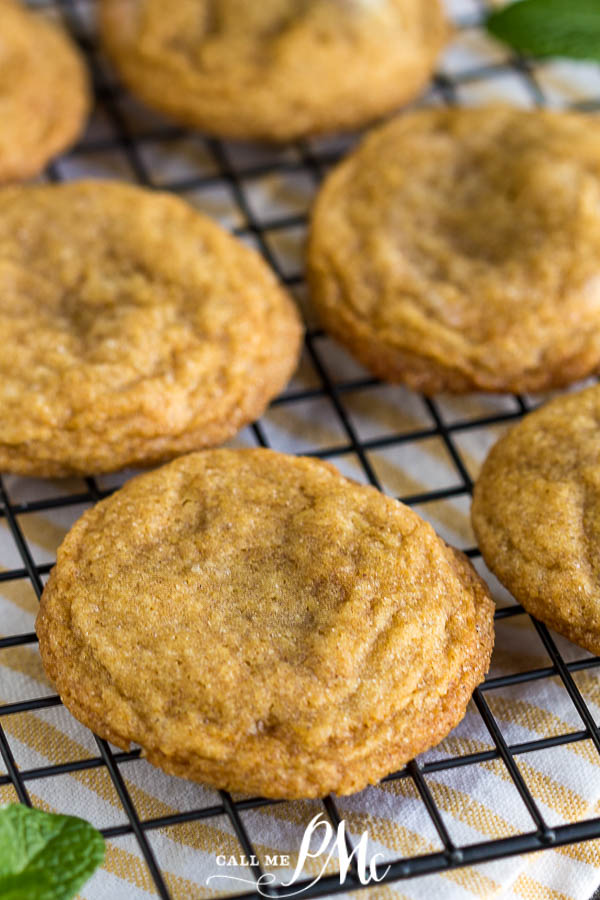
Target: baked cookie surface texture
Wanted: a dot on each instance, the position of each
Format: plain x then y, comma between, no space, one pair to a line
258,622
274,69
459,249
133,329
536,514
44,91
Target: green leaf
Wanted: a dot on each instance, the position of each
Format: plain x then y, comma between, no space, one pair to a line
45,856
550,27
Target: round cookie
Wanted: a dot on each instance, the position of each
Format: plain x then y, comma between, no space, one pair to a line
133,329
536,514
274,69
260,623
459,250
44,91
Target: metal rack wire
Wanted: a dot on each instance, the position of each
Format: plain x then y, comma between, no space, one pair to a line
312,159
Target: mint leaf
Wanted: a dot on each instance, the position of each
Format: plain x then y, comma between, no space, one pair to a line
550,27
45,856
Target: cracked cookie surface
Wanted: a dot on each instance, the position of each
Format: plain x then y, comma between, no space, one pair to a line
459,249
44,91
274,69
536,514
133,329
259,622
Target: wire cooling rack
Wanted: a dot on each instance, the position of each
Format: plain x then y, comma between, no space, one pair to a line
263,195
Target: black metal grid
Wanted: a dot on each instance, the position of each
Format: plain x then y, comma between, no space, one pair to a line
313,161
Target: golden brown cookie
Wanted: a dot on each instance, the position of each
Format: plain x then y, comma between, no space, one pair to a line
274,69
44,92
133,329
260,623
459,249
536,514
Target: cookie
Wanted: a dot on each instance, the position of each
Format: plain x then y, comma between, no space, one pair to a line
275,69
260,623
536,514
459,250
44,91
133,329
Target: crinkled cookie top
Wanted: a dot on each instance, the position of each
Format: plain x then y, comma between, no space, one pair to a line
44,91
536,513
274,69
133,329
459,249
259,622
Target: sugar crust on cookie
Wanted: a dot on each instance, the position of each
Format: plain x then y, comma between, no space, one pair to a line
260,623
459,249
133,329
44,91
536,514
274,69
